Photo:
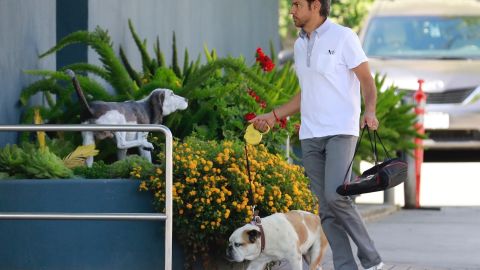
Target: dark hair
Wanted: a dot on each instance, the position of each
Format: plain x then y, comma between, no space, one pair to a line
325,9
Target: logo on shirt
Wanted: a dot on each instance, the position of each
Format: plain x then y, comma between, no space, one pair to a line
331,52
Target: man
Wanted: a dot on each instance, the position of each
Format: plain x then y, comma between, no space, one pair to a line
331,66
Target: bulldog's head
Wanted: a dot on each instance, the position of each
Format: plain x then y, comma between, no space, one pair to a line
244,244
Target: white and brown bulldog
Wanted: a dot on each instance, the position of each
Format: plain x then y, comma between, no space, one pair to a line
289,236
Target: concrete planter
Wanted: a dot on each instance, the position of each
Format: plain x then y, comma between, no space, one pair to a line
52,245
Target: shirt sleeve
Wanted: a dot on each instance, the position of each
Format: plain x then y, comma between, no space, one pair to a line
352,53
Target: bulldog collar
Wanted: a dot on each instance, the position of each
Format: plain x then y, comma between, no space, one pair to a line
257,221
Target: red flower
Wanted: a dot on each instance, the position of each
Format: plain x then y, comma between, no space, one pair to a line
282,122
263,104
249,116
257,98
265,62
260,53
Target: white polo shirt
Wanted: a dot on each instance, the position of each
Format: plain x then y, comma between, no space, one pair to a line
330,90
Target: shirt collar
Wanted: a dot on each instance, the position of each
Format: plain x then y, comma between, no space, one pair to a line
319,31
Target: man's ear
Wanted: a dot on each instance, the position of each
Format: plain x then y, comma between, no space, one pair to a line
253,235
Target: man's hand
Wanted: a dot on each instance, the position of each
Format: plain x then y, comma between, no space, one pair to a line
370,119
264,121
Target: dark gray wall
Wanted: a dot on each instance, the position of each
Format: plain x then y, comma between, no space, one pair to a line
30,27
27,28
232,27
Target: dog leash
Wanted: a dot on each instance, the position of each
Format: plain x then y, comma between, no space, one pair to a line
253,137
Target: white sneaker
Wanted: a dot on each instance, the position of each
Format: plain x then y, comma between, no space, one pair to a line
376,267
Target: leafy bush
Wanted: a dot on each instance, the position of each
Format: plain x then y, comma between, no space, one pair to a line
29,161
118,169
212,190
219,91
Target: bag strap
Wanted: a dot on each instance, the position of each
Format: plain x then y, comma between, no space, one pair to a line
373,144
375,133
353,158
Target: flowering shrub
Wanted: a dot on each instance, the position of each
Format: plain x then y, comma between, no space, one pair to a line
265,62
212,190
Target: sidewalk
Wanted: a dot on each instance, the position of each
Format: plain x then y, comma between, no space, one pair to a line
421,239
373,212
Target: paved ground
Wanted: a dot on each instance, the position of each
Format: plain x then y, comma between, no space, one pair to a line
448,239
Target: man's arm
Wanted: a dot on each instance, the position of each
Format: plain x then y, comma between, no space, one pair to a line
369,93
287,109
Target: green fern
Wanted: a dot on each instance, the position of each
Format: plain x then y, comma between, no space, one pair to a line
147,64
133,74
87,68
175,67
158,53
100,41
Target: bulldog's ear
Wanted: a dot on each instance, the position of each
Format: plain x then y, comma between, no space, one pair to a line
253,235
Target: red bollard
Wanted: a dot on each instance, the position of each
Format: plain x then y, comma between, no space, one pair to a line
420,100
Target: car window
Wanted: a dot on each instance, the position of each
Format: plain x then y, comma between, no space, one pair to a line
423,37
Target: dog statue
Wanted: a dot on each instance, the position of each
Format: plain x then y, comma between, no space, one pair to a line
150,110
286,236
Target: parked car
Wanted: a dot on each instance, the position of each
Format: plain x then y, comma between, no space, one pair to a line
437,41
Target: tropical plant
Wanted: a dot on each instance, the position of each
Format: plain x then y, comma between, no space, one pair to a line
223,91
213,191
118,169
30,161
219,91
397,123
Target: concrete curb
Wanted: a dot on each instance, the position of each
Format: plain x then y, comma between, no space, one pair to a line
372,212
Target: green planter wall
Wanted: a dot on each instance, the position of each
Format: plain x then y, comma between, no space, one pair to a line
39,244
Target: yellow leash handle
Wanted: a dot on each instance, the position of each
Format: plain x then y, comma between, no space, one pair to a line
253,136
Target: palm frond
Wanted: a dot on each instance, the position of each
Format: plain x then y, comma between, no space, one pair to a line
79,155
100,41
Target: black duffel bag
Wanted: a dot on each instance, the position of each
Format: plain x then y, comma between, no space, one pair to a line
384,175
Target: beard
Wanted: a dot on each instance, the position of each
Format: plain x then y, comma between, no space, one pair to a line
298,22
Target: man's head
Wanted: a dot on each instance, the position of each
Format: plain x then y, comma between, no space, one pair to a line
303,11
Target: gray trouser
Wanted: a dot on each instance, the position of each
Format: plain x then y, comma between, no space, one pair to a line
326,161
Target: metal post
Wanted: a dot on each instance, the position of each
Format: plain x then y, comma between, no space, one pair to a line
412,186
168,216
389,196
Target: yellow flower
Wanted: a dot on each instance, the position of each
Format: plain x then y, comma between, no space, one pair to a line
192,165
189,206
